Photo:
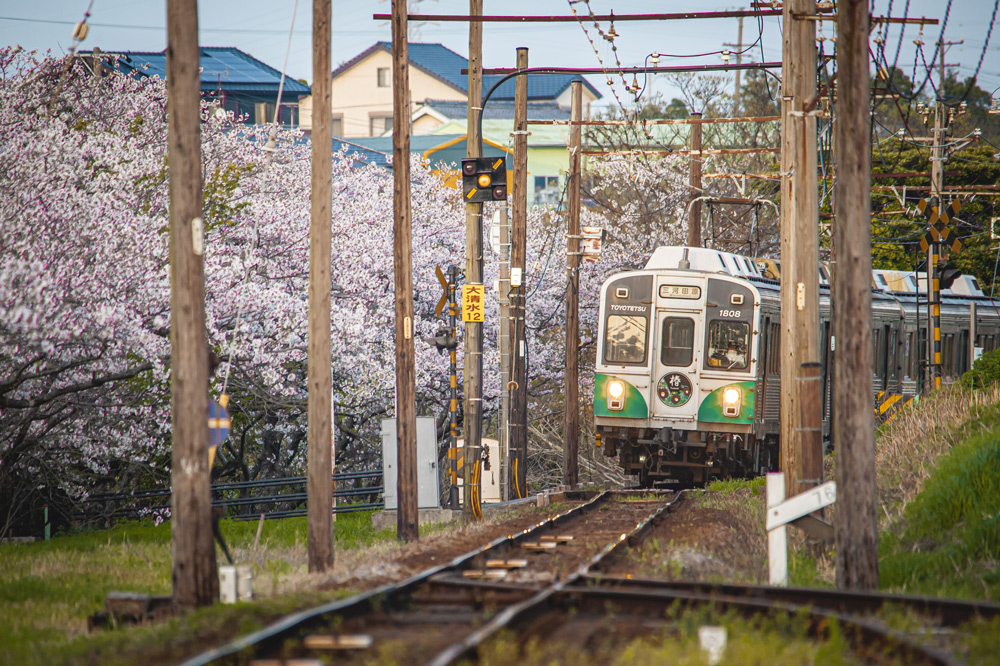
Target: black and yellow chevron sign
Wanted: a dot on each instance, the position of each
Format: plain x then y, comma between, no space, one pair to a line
938,221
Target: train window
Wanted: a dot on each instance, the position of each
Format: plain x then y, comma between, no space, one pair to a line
948,354
962,360
774,350
728,343
677,341
625,340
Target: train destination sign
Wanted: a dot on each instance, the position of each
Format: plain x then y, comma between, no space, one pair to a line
680,291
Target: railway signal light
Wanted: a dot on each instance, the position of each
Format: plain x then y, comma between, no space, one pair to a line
947,274
484,179
444,340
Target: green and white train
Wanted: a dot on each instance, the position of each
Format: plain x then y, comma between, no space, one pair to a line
687,373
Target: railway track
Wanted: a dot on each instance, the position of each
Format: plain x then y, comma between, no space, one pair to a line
552,582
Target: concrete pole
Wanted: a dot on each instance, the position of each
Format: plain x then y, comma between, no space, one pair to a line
571,391
504,335
518,248
934,251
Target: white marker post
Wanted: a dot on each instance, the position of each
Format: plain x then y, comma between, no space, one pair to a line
780,512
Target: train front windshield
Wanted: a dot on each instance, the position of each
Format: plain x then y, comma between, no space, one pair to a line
728,342
625,340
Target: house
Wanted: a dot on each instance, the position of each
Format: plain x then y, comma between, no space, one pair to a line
362,92
444,152
242,84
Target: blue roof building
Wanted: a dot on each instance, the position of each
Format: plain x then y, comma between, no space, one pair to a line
362,92
241,83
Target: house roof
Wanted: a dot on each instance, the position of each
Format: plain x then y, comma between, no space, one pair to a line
434,60
445,65
498,132
448,148
498,109
223,67
540,86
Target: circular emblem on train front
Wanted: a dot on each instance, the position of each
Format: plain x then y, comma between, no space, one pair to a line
673,389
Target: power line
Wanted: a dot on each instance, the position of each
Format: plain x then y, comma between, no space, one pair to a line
159,28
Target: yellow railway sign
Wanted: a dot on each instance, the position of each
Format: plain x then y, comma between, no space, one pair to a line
473,303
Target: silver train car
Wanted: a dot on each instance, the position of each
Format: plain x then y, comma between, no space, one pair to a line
687,375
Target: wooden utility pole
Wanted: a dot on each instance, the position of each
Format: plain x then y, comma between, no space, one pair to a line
406,378
194,575
799,234
472,426
518,423
571,422
857,504
694,182
319,490
739,61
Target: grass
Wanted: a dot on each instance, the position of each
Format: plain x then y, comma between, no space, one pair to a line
48,588
946,540
938,478
732,485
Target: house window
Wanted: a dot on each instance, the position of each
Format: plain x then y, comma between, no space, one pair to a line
547,190
379,125
384,77
263,113
337,125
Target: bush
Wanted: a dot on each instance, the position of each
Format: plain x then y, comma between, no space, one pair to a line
985,371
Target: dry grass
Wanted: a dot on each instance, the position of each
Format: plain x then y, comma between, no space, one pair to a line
908,447
907,450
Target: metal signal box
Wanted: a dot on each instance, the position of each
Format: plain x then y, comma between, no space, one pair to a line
428,478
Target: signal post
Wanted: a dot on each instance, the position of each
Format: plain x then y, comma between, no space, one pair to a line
472,429
483,179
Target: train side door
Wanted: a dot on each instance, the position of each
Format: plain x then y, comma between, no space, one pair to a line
675,368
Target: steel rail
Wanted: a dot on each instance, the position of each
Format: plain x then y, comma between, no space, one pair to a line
947,612
861,634
532,606
294,626
822,606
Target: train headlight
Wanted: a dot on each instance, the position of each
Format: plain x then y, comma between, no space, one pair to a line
731,402
616,395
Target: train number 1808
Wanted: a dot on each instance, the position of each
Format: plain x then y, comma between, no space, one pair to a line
730,313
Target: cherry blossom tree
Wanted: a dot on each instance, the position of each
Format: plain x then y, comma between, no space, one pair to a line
84,287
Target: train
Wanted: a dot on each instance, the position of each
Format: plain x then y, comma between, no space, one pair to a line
687,373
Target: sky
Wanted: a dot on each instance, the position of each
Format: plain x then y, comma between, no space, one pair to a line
261,28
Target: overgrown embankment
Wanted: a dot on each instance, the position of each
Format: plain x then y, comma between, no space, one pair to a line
939,486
